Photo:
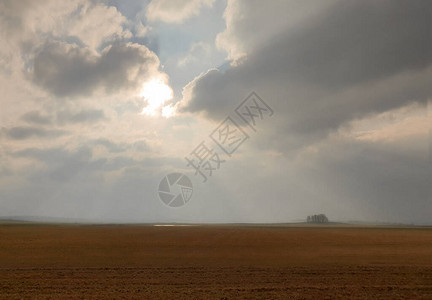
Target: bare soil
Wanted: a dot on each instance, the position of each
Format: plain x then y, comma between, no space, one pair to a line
214,262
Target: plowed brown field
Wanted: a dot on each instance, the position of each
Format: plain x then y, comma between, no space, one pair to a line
214,262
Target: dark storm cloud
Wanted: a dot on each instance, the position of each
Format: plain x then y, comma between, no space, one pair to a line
11,14
63,164
356,58
25,132
55,155
141,146
110,146
356,41
67,70
84,116
35,117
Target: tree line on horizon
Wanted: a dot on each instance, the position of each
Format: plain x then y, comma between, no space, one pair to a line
321,218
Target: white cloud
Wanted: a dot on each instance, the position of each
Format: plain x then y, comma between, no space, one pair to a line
198,52
175,11
89,22
96,24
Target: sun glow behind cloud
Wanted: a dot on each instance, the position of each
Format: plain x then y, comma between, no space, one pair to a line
156,93
169,110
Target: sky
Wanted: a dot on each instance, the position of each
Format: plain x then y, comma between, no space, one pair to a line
275,110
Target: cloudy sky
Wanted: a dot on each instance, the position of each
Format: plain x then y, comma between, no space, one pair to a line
99,100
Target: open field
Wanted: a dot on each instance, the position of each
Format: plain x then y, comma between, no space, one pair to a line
214,262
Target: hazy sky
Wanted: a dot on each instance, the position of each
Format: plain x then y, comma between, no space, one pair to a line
99,100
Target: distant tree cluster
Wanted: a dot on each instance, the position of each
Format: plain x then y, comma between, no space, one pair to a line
321,218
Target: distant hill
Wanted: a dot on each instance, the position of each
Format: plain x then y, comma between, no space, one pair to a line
37,219
59,220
